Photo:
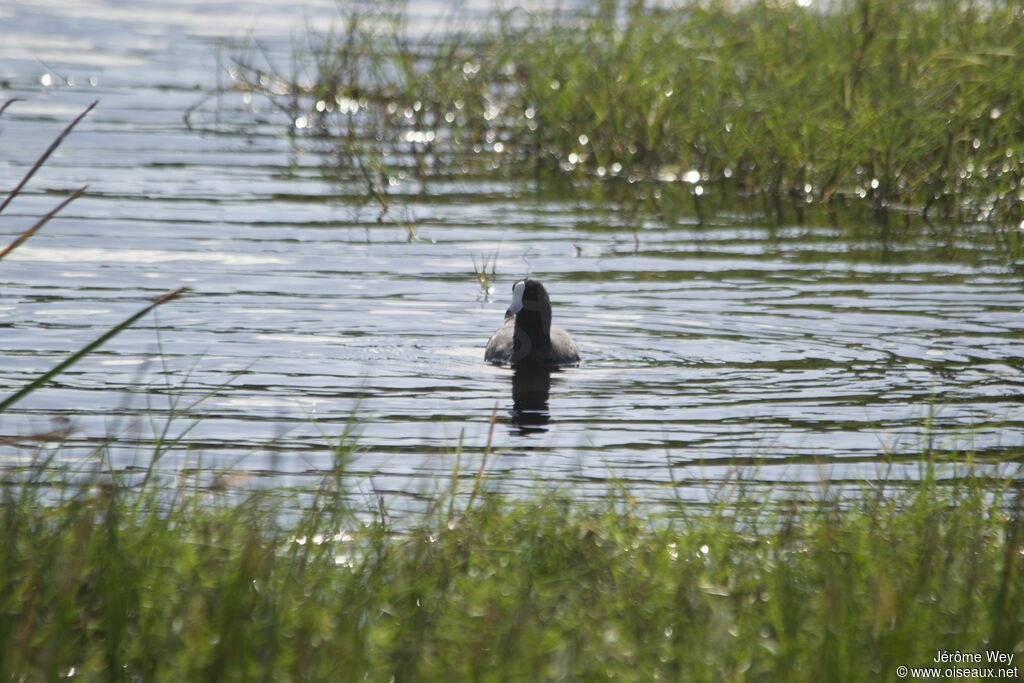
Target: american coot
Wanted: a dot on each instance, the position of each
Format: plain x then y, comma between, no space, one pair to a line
528,337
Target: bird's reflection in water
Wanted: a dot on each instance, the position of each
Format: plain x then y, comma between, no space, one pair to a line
531,386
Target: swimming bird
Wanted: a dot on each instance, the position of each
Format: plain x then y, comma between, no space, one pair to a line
527,337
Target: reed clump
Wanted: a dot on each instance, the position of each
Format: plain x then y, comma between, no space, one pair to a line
912,106
106,576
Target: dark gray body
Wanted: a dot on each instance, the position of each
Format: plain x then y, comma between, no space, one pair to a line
562,350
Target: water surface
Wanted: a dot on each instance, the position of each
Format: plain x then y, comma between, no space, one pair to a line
821,352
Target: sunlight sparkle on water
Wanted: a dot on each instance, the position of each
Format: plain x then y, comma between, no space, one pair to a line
149,256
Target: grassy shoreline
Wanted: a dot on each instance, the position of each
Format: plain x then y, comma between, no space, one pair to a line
109,578
910,107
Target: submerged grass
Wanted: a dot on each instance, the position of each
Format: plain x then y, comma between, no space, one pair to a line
912,106
106,577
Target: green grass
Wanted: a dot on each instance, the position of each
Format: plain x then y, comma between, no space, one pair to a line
155,579
910,106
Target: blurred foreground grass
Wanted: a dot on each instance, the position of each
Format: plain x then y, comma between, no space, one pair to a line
909,106
132,577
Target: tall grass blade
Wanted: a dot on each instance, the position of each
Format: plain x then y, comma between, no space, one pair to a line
46,155
483,464
9,103
86,350
40,223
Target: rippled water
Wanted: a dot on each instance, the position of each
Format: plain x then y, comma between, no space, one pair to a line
819,351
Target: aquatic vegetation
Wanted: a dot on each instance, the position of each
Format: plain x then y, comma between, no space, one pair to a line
911,106
485,278
107,574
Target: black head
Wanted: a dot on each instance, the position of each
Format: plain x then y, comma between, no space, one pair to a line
532,309
531,305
